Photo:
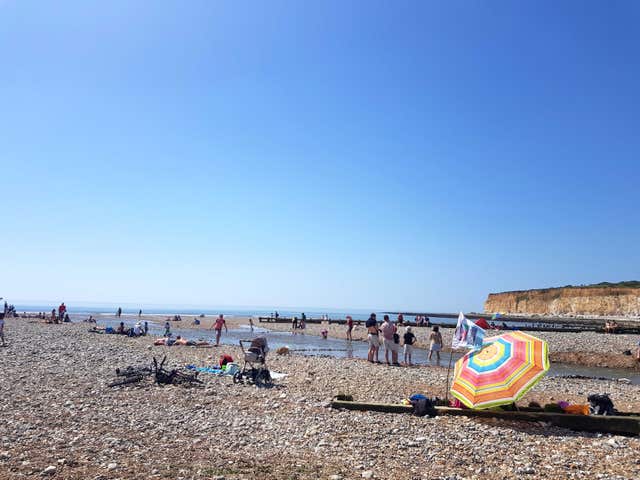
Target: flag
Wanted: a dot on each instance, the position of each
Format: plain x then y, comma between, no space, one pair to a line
467,334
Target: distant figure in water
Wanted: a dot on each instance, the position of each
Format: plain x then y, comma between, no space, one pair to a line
349,327
277,315
217,326
119,312
139,313
294,324
409,340
302,325
435,343
251,323
324,334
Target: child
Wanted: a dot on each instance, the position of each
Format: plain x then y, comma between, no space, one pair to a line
409,340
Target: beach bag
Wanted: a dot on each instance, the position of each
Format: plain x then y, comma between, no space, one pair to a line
601,404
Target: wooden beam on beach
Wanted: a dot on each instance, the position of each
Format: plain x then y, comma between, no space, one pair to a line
620,425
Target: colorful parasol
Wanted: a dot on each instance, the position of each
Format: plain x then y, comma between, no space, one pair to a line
501,372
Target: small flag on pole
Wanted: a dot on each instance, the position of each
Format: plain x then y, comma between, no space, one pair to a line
467,334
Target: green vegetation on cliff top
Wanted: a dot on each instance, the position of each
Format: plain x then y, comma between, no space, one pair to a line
625,284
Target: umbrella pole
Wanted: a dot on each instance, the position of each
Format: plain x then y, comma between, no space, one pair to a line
446,388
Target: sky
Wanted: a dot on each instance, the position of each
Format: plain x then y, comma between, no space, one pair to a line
411,155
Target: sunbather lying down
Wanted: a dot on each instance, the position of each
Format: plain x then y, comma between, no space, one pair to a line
181,341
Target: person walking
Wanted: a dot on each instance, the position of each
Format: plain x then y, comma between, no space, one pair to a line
349,327
373,337
435,343
217,326
409,340
388,329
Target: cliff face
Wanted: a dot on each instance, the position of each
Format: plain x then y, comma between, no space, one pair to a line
569,300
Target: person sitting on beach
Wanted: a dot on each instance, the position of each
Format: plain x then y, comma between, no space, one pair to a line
400,319
435,343
195,321
349,327
388,329
121,330
409,340
373,339
137,330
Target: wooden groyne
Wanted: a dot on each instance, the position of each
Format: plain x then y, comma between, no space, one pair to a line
530,324
616,424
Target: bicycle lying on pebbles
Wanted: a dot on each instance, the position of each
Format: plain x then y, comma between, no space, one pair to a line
162,376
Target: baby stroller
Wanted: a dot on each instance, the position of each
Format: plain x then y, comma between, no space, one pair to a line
254,369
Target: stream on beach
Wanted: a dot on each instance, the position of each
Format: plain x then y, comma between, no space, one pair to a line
338,348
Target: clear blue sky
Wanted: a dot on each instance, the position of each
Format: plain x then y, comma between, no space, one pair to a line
413,155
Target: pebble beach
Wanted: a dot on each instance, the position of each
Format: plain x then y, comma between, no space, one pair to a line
59,419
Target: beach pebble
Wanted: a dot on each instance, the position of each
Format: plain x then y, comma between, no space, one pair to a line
50,470
367,474
112,466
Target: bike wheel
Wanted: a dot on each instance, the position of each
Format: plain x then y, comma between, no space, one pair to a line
237,377
262,378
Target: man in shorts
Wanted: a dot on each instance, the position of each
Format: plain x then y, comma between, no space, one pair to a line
373,338
388,330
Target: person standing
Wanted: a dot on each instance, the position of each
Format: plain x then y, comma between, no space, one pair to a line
139,313
349,327
62,309
53,316
146,327
217,326
435,343
388,329
167,329
119,312
2,329
251,323
373,339
409,340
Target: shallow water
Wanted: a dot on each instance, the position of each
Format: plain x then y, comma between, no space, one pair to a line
338,348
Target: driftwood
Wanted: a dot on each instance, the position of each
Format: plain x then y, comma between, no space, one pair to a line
618,424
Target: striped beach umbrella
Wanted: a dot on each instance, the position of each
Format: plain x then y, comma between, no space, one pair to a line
501,372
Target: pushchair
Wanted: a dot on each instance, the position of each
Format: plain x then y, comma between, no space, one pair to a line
254,369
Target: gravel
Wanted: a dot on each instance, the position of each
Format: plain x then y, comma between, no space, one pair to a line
59,416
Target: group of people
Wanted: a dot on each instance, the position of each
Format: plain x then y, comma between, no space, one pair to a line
388,336
138,330
300,324
611,326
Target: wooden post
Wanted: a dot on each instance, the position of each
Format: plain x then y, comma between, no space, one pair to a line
446,388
